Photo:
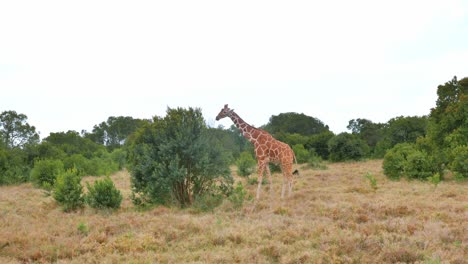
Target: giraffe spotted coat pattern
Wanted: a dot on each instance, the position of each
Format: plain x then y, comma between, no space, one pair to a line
267,149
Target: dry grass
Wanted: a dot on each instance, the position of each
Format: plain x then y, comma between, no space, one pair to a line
334,216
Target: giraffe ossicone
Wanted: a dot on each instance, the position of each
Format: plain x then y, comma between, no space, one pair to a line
267,149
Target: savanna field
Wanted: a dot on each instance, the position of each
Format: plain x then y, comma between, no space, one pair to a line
334,216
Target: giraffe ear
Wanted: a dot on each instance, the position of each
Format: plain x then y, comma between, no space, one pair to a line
225,106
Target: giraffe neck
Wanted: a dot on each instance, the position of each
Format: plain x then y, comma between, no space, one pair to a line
245,128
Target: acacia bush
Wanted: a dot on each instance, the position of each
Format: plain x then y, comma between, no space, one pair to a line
45,172
103,194
68,191
245,164
171,160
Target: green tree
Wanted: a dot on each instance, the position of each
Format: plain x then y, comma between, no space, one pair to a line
172,159
15,130
295,123
68,191
72,143
103,194
114,132
347,146
368,131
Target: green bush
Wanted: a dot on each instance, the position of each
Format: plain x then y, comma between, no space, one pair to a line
302,154
395,160
173,160
459,164
68,191
316,162
119,156
347,146
418,165
405,160
13,166
238,196
207,202
103,194
245,164
45,172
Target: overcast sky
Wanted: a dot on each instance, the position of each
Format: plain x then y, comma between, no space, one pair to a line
69,65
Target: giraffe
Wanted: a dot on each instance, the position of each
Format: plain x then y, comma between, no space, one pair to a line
267,149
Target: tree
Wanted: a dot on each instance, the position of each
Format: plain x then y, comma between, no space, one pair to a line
295,123
15,130
172,159
347,146
72,143
368,131
114,132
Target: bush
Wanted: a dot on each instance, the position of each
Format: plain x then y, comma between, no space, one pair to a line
405,160
459,164
238,196
119,156
316,162
172,160
68,190
13,166
103,194
45,172
245,164
302,154
347,146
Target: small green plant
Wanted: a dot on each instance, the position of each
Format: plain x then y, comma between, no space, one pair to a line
245,164
434,179
103,194
68,191
238,196
372,181
254,181
83,228
207,202
315,162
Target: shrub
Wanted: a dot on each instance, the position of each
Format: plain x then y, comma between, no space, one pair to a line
103,194
68,191
418,165
302,155
82,165
346,146
207,202
405,160
119,156
245,164
238,196
315,162
459,164
45,172
172,160
395,160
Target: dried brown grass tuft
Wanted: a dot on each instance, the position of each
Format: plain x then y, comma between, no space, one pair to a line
332,217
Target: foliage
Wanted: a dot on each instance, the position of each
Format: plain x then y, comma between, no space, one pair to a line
119,157
68,191
346,146
405,160
319,144
371,133
172,159
72,143
114,132
238,196
245,164
372,181
13,166
434,179
103,194
459,162
45,172
292,123
316,162
207,202
302,155
15,131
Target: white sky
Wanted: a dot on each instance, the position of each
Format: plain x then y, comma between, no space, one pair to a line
69,65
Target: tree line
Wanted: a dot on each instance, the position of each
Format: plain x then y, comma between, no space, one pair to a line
182,145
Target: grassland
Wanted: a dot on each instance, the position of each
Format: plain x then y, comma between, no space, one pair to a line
334,216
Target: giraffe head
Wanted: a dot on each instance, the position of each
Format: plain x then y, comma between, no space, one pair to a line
224,112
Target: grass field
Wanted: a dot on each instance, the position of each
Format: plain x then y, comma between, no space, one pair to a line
334,216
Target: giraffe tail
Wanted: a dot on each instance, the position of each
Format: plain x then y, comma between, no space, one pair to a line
296,172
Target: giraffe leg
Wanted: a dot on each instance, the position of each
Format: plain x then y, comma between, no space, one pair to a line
261,168
267,168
